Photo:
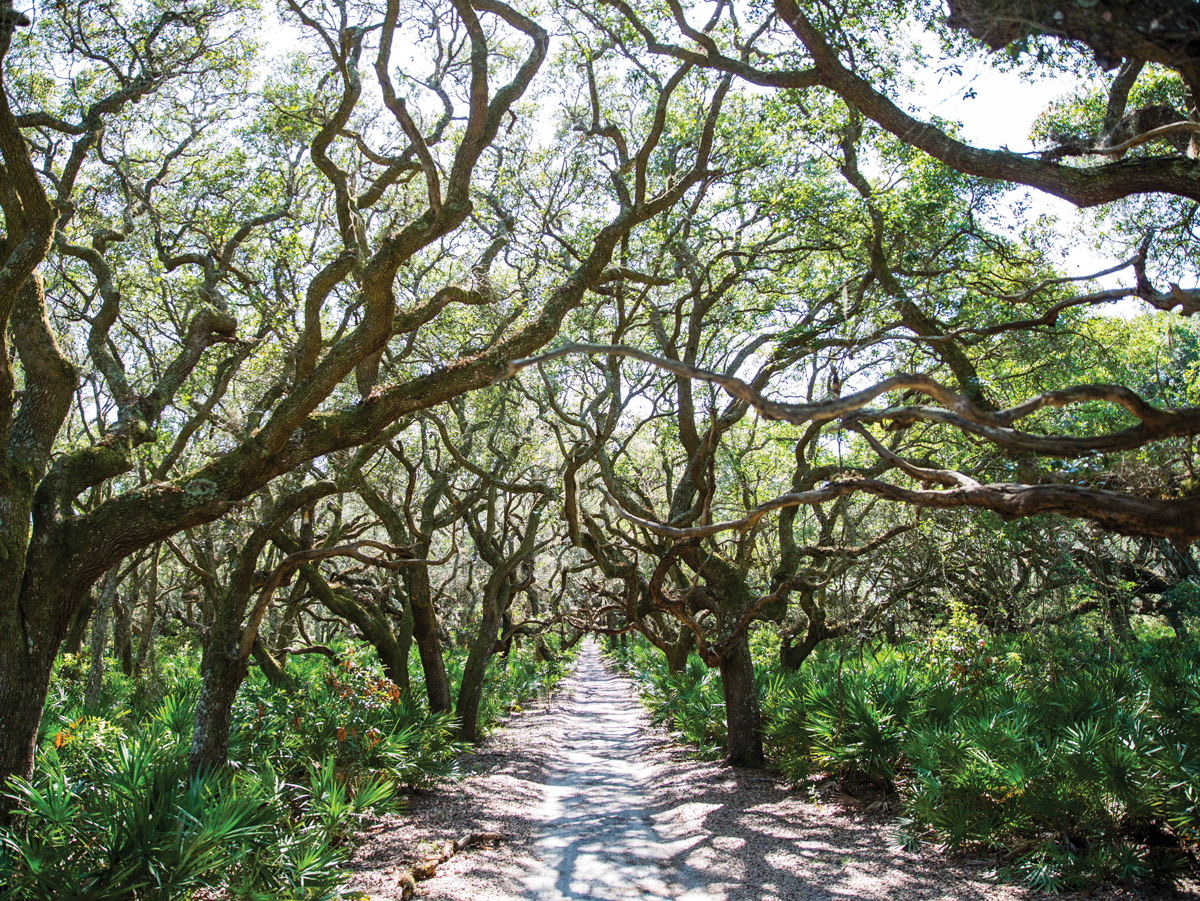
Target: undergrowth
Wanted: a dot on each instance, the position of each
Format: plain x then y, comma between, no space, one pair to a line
111,813
1070,759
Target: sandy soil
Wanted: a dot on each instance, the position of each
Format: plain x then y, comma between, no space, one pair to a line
596,804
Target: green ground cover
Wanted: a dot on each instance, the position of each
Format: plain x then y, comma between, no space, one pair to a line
111,813
1069,758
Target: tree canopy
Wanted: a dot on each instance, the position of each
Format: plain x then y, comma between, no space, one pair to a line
678,312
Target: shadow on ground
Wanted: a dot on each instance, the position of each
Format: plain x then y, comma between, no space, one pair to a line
599,806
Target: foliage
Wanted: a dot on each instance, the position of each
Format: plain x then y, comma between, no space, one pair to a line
135,825
111,812
518,678
237,288
345,713
1070,759
689,702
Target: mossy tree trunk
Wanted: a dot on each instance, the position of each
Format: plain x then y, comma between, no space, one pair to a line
150,615
425,633
417,531
679,651
742,718
373,621
222,671
502,586
73,643
470,690
227,647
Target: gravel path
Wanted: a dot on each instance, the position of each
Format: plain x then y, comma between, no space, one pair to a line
598,805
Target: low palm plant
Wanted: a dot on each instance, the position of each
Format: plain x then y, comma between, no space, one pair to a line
139,827
1060,756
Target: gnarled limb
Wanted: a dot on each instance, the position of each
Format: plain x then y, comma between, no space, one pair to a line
1157,31
995,425
1084,187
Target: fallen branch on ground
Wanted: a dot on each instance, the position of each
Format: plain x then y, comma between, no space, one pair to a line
426,867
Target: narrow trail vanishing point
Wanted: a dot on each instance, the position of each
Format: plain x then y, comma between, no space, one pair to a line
596,804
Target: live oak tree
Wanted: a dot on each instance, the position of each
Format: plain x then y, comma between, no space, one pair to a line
219,279
412,514
229,638
335,235
949,300
837,47
465,476
802,295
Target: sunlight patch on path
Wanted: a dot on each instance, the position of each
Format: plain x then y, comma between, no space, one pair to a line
600,839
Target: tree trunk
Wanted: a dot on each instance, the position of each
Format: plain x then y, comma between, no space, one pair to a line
1118,615
221,675
224,664
73,643
272,668
1175,621
425,634
24,680
678,653
393,656
284,632
123,634
470,692
99,639
371,621
1158,31
792,656
745,748
404,639
31,632
146,643
506,635
1184,565
97,645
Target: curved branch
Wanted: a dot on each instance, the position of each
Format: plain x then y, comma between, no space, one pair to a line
1082,187
299,558
1156,424
1177,519
708,58
1163,131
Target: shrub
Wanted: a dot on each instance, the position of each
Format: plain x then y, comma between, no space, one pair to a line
139,827
111,813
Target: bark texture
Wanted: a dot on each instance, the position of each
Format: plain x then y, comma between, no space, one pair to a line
1158,31
742,718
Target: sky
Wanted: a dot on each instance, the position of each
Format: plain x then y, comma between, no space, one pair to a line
999,112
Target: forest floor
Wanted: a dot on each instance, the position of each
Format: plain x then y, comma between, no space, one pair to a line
594,803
